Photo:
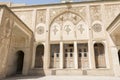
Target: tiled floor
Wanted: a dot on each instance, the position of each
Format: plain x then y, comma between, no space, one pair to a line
64,78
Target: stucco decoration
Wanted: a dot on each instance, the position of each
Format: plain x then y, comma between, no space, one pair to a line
26,17
97,27
71,14
40,30
67,28
41,16
68,16
95,13
81,28
55,31
111,12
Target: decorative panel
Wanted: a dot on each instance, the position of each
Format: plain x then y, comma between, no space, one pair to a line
68,31
82,30
26,17
111,12
55,32
81,10
41,16
40,34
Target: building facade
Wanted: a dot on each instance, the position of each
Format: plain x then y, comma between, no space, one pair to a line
68,39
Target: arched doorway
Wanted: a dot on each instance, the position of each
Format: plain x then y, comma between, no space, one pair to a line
20,59
99,55
119,56
39,56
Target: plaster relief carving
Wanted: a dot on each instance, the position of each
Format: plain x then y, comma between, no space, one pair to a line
81,29
67,29
68,16
41,16
81,10
40,30
55,30
111,12
97,27
95,13
26,17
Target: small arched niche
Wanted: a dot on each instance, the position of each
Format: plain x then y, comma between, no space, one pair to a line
99,52
20,60
39,56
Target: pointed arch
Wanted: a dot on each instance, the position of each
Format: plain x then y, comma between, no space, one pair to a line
64,13
55,31
99,51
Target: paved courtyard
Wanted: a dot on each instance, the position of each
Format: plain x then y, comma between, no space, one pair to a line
64,78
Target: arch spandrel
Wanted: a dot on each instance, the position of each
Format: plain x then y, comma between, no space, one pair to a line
55,31
68,31
67,15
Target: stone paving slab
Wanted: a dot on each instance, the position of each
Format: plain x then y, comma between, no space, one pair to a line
64,78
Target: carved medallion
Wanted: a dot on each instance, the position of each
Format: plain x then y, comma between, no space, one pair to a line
40,30
97,27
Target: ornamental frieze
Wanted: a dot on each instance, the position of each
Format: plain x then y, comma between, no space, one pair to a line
68,16
78,10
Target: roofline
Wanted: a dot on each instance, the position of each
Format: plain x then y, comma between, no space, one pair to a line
4,6
112,24
54,4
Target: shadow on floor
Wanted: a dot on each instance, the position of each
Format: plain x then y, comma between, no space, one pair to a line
20,77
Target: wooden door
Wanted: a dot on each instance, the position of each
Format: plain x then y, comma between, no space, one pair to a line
99,55
83,57
68,54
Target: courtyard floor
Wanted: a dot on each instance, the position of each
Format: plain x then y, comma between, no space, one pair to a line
64,78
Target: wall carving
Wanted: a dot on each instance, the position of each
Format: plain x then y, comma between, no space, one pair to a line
67,28
97,27
80,28
68,16
55,30
72,25
111,12
40,30
81,10
41,16
26,17
95,13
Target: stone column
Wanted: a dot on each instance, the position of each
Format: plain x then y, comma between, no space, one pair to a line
91,55
47,43
90,41
33,55
75,55
61,55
